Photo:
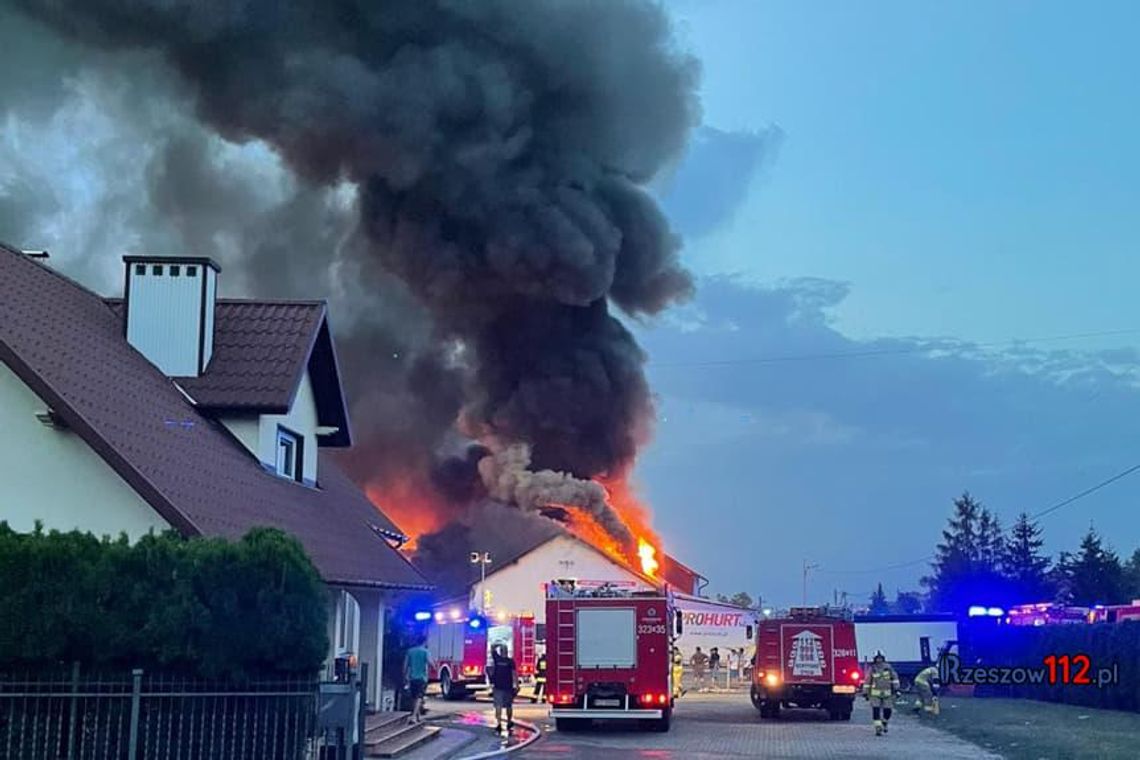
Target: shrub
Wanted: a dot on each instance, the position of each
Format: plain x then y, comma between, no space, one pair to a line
200,606
1105,644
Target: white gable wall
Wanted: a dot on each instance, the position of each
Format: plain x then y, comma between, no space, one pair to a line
259,435
55,477
518,588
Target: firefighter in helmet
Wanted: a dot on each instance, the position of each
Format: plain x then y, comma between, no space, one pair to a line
678,673
926,686
880,688
539,679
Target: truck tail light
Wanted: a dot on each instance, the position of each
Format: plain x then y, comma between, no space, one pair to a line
653,699
772,679
562,699
855,675
471,670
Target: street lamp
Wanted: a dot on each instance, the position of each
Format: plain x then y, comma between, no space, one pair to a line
482,559
807,568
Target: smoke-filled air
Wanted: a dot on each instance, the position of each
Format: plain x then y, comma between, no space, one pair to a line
476,175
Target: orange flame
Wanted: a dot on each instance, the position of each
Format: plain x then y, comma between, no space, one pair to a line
406,506
648,556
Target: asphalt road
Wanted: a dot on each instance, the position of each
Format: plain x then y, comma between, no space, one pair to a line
709,726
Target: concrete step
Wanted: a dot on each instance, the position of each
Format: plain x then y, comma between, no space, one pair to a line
384,723
395,744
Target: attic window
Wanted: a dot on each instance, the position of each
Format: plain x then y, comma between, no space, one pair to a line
140,269
175,270
191,271
290,455
156,270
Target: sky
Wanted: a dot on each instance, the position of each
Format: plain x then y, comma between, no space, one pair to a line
914,234
955,175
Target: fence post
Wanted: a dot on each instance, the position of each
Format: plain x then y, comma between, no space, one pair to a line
136,701
73,709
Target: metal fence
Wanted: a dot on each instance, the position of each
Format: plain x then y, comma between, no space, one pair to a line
141,716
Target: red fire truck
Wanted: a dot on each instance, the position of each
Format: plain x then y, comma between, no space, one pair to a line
807,659
608,653
1115,613
460,646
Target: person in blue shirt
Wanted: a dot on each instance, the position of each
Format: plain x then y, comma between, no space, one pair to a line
417,660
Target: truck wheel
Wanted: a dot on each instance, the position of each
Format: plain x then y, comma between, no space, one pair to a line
845,715
661,725
446,688
568,725
757,703
771,710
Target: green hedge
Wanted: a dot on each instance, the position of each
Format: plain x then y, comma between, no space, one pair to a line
1106,644
204,607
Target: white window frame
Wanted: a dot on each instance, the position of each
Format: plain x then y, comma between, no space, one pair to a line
292,466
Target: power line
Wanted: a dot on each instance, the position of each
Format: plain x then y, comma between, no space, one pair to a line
919,349
1036,516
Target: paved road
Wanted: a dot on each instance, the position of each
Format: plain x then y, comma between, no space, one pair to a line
707,726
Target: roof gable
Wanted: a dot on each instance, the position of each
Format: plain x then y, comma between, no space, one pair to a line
67,345
261,351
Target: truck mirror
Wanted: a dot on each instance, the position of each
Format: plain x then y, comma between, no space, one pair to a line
678,622
748,632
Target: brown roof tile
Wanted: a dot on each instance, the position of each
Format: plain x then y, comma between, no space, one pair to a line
67,344
260,351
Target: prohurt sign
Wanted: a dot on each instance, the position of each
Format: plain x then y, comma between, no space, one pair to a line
710,624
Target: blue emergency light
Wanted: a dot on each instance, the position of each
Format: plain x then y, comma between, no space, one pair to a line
475,623
979,611
421,616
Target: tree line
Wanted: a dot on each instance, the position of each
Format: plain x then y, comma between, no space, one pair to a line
977,562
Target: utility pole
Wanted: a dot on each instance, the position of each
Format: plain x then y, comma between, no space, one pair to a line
807,567
482,559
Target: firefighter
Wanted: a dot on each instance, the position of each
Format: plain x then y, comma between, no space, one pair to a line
678,673
539,679
880,688
926,685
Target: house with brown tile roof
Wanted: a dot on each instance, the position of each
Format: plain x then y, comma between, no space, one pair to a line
172,409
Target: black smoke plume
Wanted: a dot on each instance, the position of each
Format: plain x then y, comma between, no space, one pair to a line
499,150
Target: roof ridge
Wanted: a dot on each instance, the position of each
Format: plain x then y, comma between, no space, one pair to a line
20,255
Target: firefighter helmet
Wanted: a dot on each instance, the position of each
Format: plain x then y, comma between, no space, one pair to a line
879,656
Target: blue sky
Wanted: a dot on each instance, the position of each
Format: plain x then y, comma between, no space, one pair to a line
956,171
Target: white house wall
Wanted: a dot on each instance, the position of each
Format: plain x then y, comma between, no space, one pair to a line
53,476
518,588
259,435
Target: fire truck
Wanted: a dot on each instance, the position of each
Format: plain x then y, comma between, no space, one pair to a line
608,652
807,659
1115,613
460,646
1044,613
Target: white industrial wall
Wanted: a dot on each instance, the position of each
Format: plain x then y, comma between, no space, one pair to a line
259,435
164,315
55,477
900,640
518,588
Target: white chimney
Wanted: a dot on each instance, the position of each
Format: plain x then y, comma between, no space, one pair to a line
169,304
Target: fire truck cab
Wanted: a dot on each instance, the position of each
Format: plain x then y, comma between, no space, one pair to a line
807,659
608,652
